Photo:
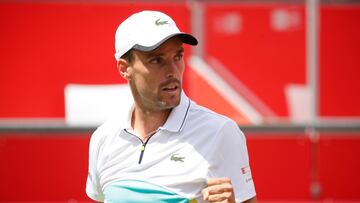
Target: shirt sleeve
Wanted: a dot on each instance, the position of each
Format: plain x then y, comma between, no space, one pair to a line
230,159
93,187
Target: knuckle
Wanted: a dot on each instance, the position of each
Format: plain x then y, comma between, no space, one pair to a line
227,179
228,195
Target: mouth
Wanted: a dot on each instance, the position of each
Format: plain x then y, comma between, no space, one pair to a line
171,88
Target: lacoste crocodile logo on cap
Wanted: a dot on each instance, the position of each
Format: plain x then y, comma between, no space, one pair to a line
158,22
176,158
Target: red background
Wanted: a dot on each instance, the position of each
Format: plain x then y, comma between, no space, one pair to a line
43,47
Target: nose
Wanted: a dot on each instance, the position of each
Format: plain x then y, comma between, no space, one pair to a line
172,69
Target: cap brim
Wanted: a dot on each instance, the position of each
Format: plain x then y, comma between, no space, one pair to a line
185,38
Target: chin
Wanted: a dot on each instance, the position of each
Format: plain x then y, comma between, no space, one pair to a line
169,104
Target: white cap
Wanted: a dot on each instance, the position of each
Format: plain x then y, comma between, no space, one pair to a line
146,31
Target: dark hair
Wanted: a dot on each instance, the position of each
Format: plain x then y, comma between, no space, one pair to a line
128,56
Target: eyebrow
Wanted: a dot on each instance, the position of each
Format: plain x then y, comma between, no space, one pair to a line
181,50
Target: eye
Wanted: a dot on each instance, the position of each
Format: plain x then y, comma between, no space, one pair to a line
179,56
156,60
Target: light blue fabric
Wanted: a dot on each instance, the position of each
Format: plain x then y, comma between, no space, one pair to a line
135,191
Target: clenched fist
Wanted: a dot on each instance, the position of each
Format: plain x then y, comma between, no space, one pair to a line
219,190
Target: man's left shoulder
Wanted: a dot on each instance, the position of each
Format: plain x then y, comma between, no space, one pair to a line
209,116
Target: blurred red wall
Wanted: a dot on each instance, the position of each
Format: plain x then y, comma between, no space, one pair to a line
43,47
46,46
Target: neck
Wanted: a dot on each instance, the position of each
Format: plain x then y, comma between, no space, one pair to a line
146,122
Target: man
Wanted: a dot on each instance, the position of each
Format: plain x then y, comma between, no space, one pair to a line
167,149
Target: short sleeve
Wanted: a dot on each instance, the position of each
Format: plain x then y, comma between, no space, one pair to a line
230,159
93,187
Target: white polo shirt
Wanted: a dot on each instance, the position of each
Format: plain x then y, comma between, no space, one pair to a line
172,165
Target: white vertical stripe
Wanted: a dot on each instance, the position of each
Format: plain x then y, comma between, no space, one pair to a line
197,26
312,43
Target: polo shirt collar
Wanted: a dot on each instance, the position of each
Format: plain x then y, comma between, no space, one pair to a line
176,119
178,115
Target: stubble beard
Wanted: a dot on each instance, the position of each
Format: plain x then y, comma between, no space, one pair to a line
166,105
165,101
162,101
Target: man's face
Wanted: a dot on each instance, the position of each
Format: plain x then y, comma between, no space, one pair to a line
155,77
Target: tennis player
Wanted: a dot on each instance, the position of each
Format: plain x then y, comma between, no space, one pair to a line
167,148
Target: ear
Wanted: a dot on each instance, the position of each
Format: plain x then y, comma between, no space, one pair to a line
123,67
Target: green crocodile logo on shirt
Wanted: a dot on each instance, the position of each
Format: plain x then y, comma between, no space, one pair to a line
176,158
159,22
